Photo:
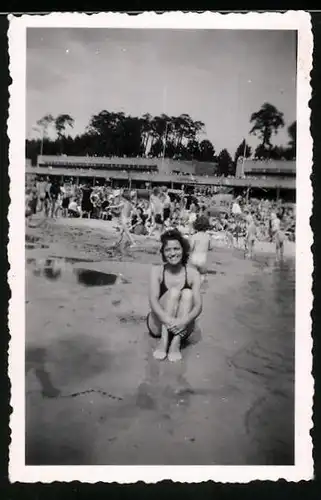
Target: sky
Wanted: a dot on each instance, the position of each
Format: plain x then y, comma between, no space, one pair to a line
217,76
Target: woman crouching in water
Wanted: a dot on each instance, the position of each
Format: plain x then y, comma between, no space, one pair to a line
174,297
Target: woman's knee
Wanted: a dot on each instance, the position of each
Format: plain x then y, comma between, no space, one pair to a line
174,294
153,325
187,295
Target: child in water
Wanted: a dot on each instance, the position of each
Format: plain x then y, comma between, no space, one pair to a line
200,245
250,236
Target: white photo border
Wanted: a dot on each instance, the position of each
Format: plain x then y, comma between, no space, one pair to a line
304,384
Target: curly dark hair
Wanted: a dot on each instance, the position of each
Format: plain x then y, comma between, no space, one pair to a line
201,223
175,235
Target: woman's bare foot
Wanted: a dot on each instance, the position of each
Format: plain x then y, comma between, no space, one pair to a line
160,352
174,353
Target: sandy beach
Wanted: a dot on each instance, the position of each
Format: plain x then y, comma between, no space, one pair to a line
94,393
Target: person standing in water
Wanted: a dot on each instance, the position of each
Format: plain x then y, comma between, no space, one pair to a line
54,192
200,245
121,209
167,204
41,187
156,209
277,235
174,297
250,236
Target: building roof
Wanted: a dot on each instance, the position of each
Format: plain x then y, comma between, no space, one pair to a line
277,166
191,167
163,177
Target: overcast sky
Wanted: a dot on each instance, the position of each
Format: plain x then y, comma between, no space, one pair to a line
217,76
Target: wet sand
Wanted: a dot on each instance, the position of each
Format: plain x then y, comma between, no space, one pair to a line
95,395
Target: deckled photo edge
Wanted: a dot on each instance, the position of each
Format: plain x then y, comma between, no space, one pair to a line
304,382
16,316
16,133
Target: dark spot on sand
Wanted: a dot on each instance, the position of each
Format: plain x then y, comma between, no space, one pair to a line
131,318
90,277
35,359
55,450
116,303
144,400
70,360
32,239
50,272
214,271
35,355
48,390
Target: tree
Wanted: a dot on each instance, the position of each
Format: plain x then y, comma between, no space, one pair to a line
292,142
266,121
292,134
116,134
193,150
206,151
44,124
261,153
170,149
63,121
225,163
243,150
109,132
146,130
157,149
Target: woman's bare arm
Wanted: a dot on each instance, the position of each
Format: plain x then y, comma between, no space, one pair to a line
179,325
195,281
192,243
154,297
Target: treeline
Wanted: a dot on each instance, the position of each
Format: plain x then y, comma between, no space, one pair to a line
117,134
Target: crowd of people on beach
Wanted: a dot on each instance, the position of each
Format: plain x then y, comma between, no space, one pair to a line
235,222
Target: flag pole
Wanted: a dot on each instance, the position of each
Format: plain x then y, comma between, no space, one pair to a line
243,159
164,148
164,107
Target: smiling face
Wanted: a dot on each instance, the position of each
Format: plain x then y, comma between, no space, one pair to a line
173,252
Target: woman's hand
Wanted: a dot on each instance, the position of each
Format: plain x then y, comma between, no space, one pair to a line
177,326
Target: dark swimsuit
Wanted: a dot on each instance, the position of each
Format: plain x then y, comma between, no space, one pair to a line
162,290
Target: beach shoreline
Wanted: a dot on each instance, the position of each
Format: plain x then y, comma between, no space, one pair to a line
105,231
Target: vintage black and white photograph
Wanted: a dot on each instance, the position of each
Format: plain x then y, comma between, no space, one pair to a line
160,184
